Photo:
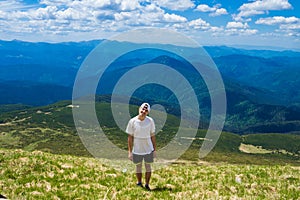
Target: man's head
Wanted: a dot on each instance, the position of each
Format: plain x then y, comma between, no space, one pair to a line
144,108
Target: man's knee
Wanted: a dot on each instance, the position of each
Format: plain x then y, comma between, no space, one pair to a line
139,168
148,167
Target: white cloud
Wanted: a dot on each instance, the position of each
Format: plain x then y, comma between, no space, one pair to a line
237,25
142,18
49,12
205,8
214,11
122,16
127,5
261,7
241,32
289,26
277,20
290,29
220,11
199,24
174,18
249,31
63,17
13,5
216,29
239,29
266,5
56,2
61,20
175,4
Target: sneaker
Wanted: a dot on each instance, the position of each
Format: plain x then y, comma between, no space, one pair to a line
147,187
139,184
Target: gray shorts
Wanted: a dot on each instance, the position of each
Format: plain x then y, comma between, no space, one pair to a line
148,158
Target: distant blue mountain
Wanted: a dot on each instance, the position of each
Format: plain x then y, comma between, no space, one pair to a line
262,85
277,75
42,62
32,93
217,51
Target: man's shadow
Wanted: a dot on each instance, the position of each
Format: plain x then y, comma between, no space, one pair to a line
159,189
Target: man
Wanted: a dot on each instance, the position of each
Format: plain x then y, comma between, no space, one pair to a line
142,143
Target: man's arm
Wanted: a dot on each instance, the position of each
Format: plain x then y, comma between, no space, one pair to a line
130,144
153,140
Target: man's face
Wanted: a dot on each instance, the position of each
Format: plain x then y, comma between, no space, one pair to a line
144,110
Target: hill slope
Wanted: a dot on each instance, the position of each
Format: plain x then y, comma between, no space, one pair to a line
37,175
51,129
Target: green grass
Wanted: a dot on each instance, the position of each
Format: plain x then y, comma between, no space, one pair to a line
56,165
12,107
288,142
51,129
38,175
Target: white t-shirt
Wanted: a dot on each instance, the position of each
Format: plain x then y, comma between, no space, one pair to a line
141,132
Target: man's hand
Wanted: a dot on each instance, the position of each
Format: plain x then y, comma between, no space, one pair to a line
130,156
154,154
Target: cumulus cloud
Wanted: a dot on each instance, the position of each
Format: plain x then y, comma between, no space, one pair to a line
290,26
237,25
58,17
128,5
239,28
90,19
214,11
199,24
174,18
175,4
205,8
277,20
290,29
245,32
261,7
13,5
219,11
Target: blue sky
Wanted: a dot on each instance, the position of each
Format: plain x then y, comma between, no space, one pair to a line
268,23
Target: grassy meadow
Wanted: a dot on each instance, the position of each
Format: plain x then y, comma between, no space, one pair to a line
42,157
39,175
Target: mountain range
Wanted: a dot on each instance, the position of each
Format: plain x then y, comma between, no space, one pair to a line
261,85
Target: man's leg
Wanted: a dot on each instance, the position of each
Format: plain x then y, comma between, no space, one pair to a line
137,160
139,173
148,161
148,173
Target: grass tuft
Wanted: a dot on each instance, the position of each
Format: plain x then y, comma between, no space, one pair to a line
39,175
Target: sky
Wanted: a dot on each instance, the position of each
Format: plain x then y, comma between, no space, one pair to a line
260,23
